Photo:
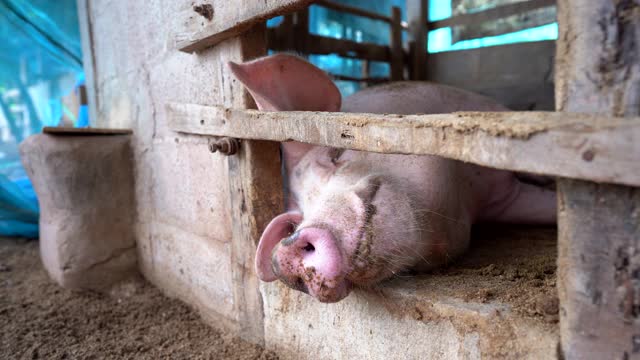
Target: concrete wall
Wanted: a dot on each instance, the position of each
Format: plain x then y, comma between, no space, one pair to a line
183,223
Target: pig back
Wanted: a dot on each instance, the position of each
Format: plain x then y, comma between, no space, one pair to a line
417,97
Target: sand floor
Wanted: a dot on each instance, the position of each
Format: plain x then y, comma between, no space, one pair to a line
40,320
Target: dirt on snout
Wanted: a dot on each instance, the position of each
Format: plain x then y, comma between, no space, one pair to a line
40,320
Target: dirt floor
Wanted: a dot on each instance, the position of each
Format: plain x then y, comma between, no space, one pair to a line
40,320
512,265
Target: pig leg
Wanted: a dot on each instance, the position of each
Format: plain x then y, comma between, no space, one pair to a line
529,204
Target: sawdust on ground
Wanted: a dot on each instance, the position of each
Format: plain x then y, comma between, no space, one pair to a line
40,320
512,265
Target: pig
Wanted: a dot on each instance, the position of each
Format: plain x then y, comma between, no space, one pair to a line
354,218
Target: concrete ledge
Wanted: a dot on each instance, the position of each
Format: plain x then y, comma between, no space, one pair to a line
498,302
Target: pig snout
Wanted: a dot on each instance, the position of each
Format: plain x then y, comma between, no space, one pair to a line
308,260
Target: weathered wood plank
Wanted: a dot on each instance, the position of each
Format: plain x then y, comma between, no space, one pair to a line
598,71
255,186
84,131
323,45
88,59
206,24
509,24
395,44
497,12
364,80
598,57
600,149
418,14
599,270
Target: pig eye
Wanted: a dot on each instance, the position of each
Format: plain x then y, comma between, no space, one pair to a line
309,248
335,154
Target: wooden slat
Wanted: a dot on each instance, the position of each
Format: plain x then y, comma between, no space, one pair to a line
84,131
196,32
497,12
301,30
88,59
596,148
352,10
509,24
369,80
598,263
418,14
255,197
598,71
323,45
395,44
347,48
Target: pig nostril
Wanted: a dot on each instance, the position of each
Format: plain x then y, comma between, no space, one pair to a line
309,248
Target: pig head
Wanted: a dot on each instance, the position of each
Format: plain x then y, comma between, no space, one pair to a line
356,218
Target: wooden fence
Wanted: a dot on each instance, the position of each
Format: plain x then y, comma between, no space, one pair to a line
293,35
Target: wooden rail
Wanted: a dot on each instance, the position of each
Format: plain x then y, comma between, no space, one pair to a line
197,30
293,34
596,148
368,80
495,13
321,45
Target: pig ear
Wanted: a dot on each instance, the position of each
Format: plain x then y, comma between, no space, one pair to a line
287,83
279,228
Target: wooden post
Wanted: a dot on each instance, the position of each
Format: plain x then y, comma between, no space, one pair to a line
255,186
599,270
365,73
287,33
598,71
88,61
301,31
397,54
418,15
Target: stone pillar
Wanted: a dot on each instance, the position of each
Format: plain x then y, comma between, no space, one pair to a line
85,189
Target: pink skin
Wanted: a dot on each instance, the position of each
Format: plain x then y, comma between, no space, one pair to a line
357,218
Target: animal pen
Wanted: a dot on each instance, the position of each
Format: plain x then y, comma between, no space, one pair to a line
190,220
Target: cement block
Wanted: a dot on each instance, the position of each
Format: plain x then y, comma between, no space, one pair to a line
86,192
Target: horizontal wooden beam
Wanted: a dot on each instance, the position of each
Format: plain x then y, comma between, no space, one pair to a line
208,23
321,45
54,130
596,148
368,80
495,13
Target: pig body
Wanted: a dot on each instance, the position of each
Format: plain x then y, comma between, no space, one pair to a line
357,218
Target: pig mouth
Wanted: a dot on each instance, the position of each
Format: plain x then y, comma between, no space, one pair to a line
365,265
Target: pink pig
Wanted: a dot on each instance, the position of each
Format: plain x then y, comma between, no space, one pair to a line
356,218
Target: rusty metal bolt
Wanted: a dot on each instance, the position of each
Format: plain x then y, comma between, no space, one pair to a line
205,10
226,146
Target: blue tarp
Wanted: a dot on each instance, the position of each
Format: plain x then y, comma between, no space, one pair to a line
40,62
